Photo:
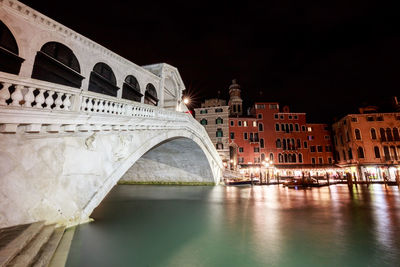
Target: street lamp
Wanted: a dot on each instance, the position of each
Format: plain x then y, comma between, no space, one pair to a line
186,100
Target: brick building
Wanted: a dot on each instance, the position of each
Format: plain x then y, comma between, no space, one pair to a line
368,145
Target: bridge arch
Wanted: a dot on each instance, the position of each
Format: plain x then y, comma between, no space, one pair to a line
102,80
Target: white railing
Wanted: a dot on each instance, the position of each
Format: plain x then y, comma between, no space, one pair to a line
40,95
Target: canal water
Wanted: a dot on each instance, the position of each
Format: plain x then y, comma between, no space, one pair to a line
139,225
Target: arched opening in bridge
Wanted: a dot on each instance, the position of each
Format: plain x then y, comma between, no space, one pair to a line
177,160
57,63
9,60
150,97
102,80
131,89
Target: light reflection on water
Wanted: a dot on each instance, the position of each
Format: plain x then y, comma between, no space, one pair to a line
242,226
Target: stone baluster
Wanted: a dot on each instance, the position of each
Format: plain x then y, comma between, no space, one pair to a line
114,108
83,104
95,104
100,105
121,109
58,102
106,106
4,94
89,104
39,99
67,102
49,100
17,96
29,97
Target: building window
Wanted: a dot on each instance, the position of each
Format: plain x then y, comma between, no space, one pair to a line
244,123
102,80
262,142
203,122
245,136
280,159
282,117
241,149
347,137
259,116
320,161
220,146
131,89
305,144
344,155
254,124
271,156
379,118
260,106
232,123
396,134
370,118
330,160
377,152
309,129
386,152
286,158
277,127
9,60
296,117
232,134
290,117
394,152
389,134
303,128
383,134
360,152
310,137
241,159
338,155
284,144
298,144
278,143
373,134
219,110
219,133
273,106
256,160
327,137
319,148
276,116
312,149
257,149
291,127
313,160
219,120
260,127
328,149
262,156
203,111
239,123
354,119
296,127
358,134
282,127
300,158
256,137
350,152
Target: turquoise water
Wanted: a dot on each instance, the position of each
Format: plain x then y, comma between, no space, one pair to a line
242,226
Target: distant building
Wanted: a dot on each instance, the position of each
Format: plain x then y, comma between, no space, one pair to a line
368,145
213,115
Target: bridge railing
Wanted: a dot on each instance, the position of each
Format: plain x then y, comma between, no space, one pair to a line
41,95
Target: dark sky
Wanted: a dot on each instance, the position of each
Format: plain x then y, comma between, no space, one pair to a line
320,57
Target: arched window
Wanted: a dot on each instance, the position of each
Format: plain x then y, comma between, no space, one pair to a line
219,120
344,155
383,135
287,127
131,89
360,152
57,63
358,134
9,60
337,155
298,144
282,127
284,144
396,134
260,127
150,96
203,122
377,152
280,159
350,154
234,108
296,127
286,158
220,146
262,156
291,127
277,127
271,156
262,142
219,132
278,143
300,158
102,80
294,160
393,152
389,134
386,152
373,134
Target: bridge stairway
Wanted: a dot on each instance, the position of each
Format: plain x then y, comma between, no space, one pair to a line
29,244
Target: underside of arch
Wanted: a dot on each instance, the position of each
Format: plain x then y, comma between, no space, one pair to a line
175,161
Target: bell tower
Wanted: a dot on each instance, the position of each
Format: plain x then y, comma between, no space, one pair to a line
235,101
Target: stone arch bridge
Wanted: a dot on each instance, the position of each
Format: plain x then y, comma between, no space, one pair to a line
63,146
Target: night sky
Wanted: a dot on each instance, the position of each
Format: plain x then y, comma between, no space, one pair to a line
321,57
